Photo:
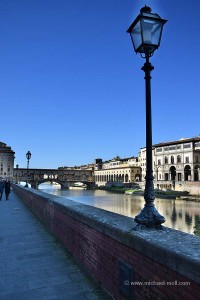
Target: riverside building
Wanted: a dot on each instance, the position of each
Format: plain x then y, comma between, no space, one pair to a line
177,160
117,171
174,161
6,161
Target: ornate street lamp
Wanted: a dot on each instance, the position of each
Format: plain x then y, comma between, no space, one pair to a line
145,34
28,156
17,166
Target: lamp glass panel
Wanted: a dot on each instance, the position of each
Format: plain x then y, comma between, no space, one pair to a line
156,34
136,35
28,155
151,30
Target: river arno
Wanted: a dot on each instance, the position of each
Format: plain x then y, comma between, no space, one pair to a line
179,214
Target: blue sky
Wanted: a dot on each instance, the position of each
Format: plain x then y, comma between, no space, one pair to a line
71,85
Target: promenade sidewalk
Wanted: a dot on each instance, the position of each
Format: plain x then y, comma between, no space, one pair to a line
33,265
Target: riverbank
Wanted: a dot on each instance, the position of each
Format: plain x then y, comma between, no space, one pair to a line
190,198
112,189
159,193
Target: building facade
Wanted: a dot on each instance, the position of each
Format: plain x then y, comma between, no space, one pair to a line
174,161
177,160
142,162
117,171
6,161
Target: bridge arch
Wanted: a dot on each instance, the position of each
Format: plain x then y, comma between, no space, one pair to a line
63,185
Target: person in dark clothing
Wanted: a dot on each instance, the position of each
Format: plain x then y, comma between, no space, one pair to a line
1,188
7,188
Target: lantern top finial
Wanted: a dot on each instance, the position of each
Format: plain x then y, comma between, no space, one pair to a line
145,9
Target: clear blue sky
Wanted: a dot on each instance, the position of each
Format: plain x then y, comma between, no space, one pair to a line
71,85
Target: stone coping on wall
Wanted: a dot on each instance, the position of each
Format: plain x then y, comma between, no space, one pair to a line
174,249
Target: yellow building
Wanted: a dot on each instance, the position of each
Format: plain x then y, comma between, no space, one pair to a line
117,171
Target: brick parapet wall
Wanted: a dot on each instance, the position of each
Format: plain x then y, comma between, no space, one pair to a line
116,254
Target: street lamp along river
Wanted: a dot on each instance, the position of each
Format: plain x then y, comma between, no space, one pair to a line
17,167
145,34
28,156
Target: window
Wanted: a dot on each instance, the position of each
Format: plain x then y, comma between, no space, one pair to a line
166,160
166,148
178,159
172,147
172,159
159,150
187,159
166,176
186,146
197,145
178,147
159,162
196,159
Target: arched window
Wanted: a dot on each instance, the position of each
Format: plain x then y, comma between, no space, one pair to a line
178,159
166,160
173,172
187,173
159,162
172,159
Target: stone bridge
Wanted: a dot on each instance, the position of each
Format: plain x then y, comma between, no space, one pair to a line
63,176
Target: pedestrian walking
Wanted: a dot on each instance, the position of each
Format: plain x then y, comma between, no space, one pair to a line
1,188
7,188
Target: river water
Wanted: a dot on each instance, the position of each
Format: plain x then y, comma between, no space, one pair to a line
179,214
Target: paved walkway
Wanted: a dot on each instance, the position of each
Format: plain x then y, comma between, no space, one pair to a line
33,265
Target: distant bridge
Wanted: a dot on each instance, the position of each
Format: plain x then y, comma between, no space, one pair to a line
63,176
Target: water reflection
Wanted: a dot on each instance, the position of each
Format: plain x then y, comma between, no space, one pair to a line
179,214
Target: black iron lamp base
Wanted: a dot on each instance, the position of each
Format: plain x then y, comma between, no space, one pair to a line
150,217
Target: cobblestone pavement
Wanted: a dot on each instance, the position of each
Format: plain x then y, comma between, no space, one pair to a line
33,265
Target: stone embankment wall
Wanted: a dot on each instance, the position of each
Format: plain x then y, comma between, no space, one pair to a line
193,187
130,262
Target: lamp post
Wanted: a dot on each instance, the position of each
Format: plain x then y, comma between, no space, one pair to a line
145,34
28,156
17,166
